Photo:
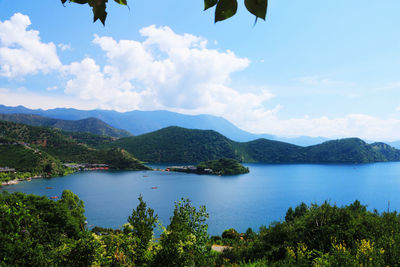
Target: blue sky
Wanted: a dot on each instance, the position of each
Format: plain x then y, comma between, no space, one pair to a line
316,68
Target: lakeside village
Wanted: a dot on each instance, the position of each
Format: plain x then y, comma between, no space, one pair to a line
7,170
190,169
87,166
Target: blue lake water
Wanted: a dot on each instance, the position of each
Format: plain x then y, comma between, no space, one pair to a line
240,201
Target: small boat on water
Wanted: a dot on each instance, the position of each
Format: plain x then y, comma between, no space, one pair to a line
55,197
145,176
154,187
49,187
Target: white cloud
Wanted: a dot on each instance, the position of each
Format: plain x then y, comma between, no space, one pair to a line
39,101
21,50
351,125
179,73
171,71
165,71
107,91
52,88
64,47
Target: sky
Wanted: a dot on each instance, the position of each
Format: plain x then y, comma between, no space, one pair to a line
313,68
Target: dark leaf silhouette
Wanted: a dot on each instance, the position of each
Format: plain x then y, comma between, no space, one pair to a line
257,7
225,9
209,3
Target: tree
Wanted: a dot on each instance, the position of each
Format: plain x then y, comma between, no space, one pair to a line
224,9
37,231
74,206
231,234
184,242
142,223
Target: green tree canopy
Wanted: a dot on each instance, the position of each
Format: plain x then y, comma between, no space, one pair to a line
184,243
142,223
37,231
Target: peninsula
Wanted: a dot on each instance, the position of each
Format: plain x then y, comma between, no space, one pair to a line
222,166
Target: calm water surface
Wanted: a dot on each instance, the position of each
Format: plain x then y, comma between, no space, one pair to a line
240,201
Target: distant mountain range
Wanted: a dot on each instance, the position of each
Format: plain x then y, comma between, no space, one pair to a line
175,144
90,125
140,122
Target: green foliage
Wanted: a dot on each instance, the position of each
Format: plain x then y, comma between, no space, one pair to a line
117,249
50,146
298,212
223,167
351,150
175,144
324,235
184,242
28,160
36,231
89,125
118,159
74,206
250,234
142,223
231,234
89,139
268,151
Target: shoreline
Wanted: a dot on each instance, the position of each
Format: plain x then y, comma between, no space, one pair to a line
16,181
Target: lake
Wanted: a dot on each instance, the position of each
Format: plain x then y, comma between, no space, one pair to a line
241,201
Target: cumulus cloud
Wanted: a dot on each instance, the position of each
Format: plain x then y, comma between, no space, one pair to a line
165,71
179,73
21,50
176,72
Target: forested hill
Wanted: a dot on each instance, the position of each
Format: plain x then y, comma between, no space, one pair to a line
351,150
27,159
63,146
90,125
175,144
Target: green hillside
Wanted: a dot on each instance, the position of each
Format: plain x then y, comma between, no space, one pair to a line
25,159
90,125
175,144
351,150
68,147
263,150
